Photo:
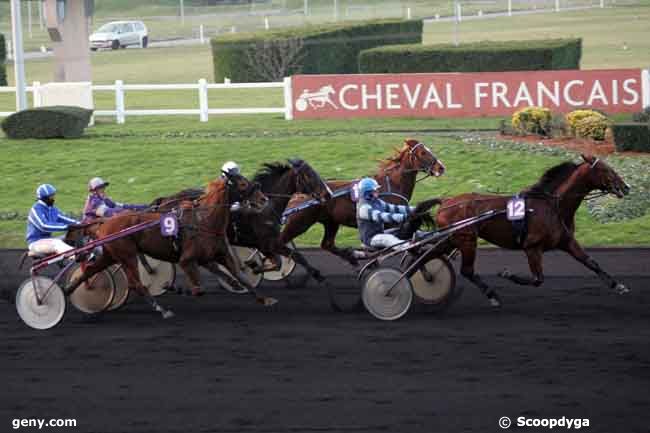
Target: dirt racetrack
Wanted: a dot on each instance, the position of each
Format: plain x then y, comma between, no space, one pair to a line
570,348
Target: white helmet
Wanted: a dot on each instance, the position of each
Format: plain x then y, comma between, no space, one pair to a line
230,167
96,182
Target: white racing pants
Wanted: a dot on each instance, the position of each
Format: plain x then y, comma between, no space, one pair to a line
49,246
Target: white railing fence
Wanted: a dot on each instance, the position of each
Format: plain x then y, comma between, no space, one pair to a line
202,87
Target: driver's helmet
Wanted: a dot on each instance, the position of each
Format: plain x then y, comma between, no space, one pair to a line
44,191
230,168
96,182
367,186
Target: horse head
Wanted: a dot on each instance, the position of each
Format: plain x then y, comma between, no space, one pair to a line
308,181
421,158
603,177
248,193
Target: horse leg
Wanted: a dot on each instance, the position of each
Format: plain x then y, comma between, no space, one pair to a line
301,260
535,263
576,251
101,263
468,252
191,269
328,244
232,264
130,266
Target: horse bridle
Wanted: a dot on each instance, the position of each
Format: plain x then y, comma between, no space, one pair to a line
414,158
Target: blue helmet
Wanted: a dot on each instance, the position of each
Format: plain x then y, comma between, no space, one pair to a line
366,186
44,191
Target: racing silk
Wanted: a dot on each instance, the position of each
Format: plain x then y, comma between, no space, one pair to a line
374,213
43,220
97,206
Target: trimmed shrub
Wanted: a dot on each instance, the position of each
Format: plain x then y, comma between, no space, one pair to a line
333,49
47,122
643,116
534,120
632,136
3,55
487,56
588,124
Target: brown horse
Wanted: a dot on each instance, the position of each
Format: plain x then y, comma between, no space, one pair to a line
396,175
261,230
549,222
202,238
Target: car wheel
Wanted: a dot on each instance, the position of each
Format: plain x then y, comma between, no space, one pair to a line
93,49
145,42
115,45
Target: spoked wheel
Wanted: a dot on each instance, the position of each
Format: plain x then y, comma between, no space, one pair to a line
434,284
46,314
287,266
95,295
121,287
385,294
157,276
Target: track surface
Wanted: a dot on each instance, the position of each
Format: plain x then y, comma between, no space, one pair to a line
570,348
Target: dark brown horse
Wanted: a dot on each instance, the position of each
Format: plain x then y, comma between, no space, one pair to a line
202,238
550,207
396,175
261,230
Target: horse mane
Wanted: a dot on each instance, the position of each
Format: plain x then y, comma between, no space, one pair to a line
271,172
396,157
553,178
215,187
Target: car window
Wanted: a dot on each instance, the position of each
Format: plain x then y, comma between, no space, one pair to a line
107,28
127,28
139,26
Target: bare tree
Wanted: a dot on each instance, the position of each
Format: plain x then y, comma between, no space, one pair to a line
274,59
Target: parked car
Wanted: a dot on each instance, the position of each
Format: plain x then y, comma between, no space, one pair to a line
120,34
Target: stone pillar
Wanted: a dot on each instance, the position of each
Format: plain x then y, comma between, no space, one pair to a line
67,24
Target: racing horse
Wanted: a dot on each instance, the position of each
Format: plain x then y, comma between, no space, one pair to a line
397,175
548,223
261,230
201,238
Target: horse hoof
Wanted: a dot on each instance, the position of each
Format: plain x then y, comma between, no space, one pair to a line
621,289
268,301
168,314
505,273
495,303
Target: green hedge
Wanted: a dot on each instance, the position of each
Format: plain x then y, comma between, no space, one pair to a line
3,55
632,136
485,56
332,49
47,122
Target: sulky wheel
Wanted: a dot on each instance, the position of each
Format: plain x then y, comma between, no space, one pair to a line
157,276
121,287
46,314
434,284
95,295
287,266
385,294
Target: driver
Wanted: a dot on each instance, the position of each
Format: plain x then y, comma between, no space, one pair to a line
373,213
43,220
98,204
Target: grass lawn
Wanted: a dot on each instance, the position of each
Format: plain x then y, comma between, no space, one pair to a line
147,158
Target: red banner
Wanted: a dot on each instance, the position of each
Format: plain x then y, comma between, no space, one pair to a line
464,94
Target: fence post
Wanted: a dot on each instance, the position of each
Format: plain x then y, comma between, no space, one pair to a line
602,4
459,12
645,87
288,99
509,8
201,34
266,23
8,49
36,94
203,99
557,5
119,101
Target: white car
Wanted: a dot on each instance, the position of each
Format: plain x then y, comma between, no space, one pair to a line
120,34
